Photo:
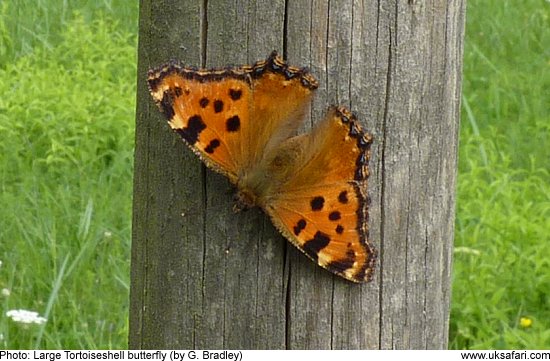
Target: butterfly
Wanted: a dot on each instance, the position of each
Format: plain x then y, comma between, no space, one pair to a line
242,122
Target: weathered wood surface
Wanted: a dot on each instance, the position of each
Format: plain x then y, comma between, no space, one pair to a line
206,278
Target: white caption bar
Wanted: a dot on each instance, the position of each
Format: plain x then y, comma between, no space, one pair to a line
237,355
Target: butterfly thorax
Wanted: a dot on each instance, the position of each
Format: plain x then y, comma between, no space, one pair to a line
263,181
251,191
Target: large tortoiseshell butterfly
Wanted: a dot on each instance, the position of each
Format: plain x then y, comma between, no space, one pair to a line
242,121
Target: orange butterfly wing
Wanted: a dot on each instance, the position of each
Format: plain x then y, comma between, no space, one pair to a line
323,208
211,109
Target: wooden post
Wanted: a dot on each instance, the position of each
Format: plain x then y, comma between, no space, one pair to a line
206,278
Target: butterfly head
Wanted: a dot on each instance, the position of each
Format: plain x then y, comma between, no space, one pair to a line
244,200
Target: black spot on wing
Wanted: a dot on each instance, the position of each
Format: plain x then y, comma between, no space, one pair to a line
300,225
334,216
204,102
195,126
233,124
343,197
214,143
339,229
317,203
167,104
316,244
344,263
235,94
218,106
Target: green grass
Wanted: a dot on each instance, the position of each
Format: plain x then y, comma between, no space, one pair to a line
501,265
66,130
31,24
66,124
501,262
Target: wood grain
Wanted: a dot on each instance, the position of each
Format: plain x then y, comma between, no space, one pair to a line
206,278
